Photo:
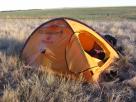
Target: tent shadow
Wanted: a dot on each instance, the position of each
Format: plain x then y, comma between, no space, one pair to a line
10,47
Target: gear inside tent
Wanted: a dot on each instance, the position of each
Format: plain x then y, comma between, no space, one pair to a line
70,48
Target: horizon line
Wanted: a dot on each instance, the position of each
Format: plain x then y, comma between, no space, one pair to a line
62,8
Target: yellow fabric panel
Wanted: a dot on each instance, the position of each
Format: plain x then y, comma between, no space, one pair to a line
76,58
94,62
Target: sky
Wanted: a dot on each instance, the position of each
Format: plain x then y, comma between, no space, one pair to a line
49,4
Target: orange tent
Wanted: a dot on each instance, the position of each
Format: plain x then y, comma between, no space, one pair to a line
62,45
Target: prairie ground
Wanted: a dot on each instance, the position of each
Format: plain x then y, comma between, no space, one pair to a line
21,84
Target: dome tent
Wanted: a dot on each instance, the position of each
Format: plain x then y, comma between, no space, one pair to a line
64,42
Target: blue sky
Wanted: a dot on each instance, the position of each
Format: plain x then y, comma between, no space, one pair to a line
43,4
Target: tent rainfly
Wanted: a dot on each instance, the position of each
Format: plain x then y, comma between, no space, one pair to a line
68,47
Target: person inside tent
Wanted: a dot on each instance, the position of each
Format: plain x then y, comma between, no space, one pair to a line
97,50
90,45
99,53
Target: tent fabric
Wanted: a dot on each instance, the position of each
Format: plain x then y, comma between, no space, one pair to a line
86,39
61,45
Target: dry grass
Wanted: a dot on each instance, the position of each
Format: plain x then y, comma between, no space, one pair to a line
20,84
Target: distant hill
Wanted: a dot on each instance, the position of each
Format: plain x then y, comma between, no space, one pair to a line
99,13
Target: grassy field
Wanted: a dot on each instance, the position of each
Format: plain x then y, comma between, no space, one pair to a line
105,13
21,83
